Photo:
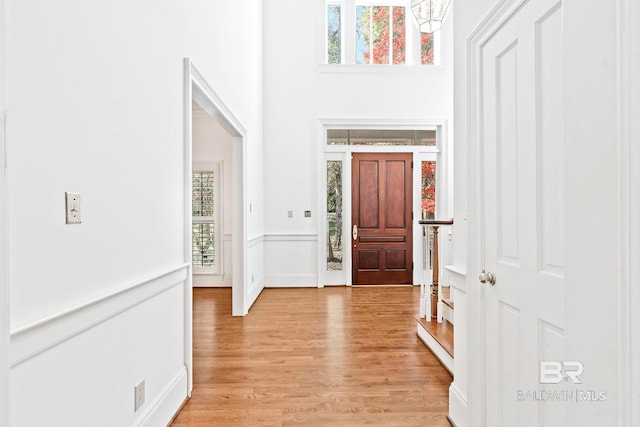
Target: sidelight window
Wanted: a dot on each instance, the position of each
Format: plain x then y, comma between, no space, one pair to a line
334,215
428,189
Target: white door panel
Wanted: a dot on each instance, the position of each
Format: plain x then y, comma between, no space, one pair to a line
522,138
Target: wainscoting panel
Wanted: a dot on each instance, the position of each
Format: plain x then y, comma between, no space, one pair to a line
255,281
30,340
96,352
291,260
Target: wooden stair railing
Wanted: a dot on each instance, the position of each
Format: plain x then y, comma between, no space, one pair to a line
436,267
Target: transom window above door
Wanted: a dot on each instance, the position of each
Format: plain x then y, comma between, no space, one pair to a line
381,137
374,32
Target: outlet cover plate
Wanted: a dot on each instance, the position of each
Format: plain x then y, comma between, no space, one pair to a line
139,393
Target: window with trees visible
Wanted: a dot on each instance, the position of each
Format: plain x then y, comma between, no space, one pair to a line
380,35
375,33
205,235
381,137
334,215
428,190
334,34
428,205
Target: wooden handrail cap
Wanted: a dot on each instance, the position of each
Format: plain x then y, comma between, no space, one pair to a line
436,221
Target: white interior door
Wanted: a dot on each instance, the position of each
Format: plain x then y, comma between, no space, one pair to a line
522,153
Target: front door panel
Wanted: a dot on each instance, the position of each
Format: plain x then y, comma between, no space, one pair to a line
381,218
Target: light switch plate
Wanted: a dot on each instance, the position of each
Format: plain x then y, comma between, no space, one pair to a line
72,202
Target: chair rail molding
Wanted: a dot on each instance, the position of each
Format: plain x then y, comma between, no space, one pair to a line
37,337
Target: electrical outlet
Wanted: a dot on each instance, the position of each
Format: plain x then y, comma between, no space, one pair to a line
139,393
72,202
307,214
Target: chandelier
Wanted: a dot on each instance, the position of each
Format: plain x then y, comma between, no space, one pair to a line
429,13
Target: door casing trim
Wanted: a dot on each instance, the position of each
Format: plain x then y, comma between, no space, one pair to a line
333,152
196,88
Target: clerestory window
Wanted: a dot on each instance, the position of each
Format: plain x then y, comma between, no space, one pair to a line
375,32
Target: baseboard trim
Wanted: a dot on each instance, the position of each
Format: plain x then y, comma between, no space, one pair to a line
168,404
39,336
457,407
255,292
290,281
212,281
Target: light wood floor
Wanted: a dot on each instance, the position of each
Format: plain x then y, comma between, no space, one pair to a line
344,356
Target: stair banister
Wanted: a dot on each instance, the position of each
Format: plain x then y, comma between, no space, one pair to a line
434,289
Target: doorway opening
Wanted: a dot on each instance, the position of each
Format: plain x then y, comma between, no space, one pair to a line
211,204
198,92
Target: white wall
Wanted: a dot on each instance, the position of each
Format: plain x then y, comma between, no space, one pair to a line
298,93
212,143
4,273
96,106
225,39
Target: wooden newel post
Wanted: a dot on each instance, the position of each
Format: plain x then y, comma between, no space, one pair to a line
435,275
433,290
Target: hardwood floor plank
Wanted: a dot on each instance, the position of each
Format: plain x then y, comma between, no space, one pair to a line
314,357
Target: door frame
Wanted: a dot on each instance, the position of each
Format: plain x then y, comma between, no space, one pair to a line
4,233
197,89
444,178
629,155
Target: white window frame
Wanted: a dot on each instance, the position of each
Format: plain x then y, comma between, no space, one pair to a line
336,277
348,36
217,218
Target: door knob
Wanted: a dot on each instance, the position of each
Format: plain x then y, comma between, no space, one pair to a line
488,276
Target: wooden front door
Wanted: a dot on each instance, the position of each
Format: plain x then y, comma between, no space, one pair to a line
381,219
